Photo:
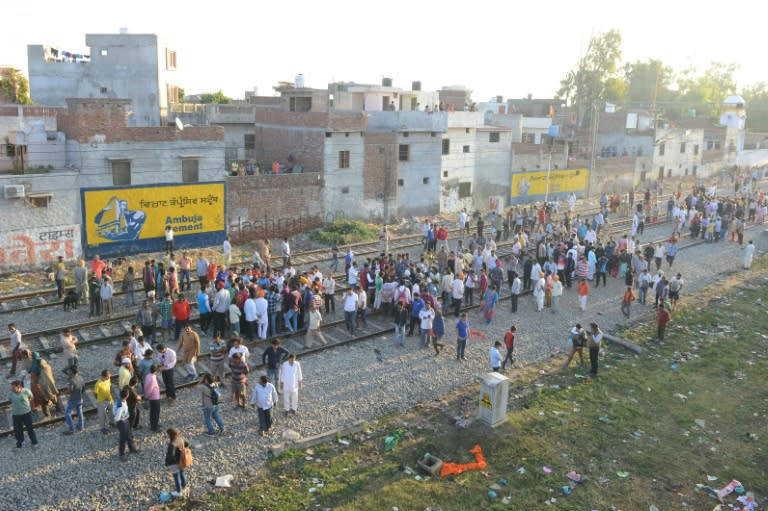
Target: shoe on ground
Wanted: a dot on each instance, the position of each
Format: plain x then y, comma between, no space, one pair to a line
123,458
68,432
104,431
175,494
210,433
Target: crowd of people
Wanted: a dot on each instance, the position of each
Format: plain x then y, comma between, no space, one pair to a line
552,252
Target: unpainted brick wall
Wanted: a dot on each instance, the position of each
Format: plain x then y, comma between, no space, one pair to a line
269,207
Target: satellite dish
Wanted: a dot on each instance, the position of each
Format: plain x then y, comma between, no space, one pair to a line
179,124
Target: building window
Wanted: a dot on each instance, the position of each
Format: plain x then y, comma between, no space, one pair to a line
662,147
446,146
343,159
425,180
104,53
466,130
494,136
300,104
643,176
170,60
445,173
103,90
405,134
249,141
328,134
404,152
40,200
661,172
190,170
401,182
121,172
466,148
696,150
173,94
693,171
528,138
465,190
434,134
682,148
344,189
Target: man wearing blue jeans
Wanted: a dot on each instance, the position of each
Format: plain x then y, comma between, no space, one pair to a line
401,320
350,310
273,357
462,333
75,403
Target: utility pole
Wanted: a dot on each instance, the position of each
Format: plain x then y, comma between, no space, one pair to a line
595,124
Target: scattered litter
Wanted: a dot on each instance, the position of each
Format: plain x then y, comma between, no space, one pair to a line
681,397
653,508
603,418
224,481
165,497
458,468
391,441
345,443
748,501
312,490
567,490
408,470
503,482
622,474
492,495
521,470
418,478
547,470
573,476
728,489
495,487
700,423
506,500
752,436
711,478
308,458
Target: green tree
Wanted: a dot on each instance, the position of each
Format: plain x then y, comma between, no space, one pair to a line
215,97
756,100
596,78
648,82
181,95
14,87
705,91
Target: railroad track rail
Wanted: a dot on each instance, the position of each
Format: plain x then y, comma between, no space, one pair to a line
42,298
334,332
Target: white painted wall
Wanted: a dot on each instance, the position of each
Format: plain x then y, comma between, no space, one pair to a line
350,204
415,197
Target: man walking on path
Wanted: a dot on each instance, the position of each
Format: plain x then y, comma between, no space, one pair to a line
509,342
292,381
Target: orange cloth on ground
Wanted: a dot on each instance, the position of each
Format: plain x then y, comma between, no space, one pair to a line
458,468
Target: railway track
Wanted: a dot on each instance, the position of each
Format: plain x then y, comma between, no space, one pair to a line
42,298
333,331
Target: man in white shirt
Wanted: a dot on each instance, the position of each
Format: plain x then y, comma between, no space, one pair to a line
353,275
292,381
426,315
457,293
263,399
227,247
262,318
249,310
329,288
169,240
350,309
286,252
238,347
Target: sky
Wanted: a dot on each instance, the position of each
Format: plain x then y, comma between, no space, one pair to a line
498,47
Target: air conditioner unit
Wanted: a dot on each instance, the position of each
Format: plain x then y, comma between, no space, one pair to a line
13,191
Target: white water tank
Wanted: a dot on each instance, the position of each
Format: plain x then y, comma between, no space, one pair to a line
299,81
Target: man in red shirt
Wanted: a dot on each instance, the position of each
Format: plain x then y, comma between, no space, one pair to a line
509,341
663,318
442,237
97,266
180,311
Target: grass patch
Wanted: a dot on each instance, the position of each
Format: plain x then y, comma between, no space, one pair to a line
344,232
693,407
